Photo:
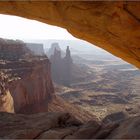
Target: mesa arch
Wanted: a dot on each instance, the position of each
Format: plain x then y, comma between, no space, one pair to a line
113,26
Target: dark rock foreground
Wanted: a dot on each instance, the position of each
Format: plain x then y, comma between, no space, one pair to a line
64,126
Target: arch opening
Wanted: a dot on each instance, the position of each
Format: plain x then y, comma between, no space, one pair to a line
84,75
113,26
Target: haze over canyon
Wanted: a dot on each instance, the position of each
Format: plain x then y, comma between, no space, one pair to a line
56,86
98,89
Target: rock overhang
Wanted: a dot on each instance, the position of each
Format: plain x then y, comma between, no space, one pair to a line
113,26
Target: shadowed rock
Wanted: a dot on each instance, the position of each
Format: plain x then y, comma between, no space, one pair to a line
64,126
33,126
115,117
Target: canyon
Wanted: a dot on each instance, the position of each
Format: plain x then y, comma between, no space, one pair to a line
26,84
27,88
113,26
100,83
28,77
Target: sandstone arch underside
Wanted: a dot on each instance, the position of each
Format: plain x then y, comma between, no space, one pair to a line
113,26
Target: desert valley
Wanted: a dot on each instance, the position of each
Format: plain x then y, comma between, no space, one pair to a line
101,83
57,83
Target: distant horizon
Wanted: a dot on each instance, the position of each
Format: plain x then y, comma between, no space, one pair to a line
18,28
61,41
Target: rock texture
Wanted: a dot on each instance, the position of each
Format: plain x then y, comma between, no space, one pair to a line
131,131
13,50
64,126
29,79
54,46
58,104
34,89
56,65
6,100
61,67
113,26
115,117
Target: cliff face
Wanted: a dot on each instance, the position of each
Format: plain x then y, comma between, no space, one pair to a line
6,103
6,100
34,90
29,78
11,50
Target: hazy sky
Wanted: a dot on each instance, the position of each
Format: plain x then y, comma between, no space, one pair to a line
14,27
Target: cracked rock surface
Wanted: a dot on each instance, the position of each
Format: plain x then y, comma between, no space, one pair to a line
64,126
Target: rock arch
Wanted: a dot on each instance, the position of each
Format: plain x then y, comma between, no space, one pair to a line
113,26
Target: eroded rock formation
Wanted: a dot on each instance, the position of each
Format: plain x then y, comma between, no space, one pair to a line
29,78
6,100
13,50
113,26
64,126
67,72
56,65
34,89
61,67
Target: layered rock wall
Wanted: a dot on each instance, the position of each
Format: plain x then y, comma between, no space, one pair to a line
12,50
6,100
34,90
29,79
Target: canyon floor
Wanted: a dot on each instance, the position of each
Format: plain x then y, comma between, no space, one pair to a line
113,86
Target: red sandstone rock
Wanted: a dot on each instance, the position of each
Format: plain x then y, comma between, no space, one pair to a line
34,90
29,77
6,100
